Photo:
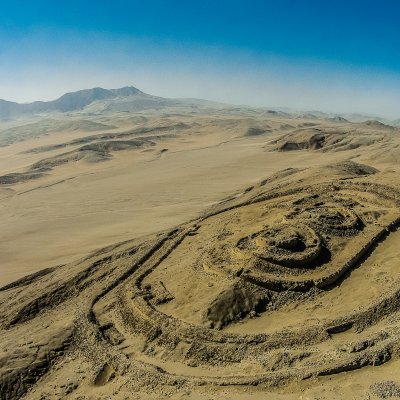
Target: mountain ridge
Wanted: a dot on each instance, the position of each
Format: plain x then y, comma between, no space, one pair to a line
131,99
72,101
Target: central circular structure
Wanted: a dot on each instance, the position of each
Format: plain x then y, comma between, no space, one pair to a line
284,244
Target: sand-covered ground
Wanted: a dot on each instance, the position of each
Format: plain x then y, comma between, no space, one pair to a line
199,254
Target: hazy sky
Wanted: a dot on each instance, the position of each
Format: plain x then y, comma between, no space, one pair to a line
340,56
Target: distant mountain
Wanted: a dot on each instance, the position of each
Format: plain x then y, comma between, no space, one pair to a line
337,118
8,109
68,102
130,99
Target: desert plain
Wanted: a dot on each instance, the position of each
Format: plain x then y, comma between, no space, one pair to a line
154,248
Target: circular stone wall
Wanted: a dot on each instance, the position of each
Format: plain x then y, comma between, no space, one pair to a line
287,245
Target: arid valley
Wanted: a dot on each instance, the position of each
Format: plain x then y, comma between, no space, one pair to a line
159,248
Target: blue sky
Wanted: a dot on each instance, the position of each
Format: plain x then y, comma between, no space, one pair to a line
327,55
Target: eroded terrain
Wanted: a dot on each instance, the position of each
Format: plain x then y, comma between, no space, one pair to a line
277,274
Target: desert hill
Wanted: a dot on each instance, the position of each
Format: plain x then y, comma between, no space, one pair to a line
263,293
